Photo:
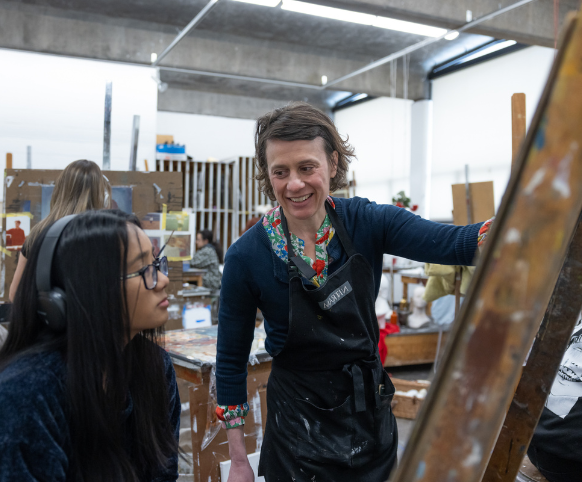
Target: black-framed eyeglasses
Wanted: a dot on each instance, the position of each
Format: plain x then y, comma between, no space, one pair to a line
149,273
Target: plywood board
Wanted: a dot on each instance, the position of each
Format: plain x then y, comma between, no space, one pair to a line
23,194
482,202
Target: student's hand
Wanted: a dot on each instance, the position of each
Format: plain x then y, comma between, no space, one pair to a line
240,471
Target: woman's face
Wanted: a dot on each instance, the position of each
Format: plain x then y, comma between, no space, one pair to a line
300,174
200,241
147,308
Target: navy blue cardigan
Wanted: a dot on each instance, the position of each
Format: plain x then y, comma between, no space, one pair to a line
35,440
255,277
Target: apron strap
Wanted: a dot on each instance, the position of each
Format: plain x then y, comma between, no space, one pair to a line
355,372
340,229
295,262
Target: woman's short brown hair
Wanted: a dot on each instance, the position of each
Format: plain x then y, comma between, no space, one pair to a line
294,122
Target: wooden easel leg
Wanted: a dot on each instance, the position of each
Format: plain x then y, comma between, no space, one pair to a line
542,365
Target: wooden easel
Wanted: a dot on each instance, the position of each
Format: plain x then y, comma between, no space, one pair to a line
534,249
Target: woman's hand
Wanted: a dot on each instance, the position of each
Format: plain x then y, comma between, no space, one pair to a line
240,471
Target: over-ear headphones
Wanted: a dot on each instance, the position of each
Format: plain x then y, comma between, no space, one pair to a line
52,302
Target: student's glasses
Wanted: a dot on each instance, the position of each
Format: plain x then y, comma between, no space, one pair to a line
149,273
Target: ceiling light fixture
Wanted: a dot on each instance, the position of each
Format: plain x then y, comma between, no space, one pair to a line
452,35
328,12
409,27
323,79
362,18
262,3
154,57
489,50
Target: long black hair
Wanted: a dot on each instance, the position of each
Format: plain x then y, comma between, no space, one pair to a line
209,236
102,368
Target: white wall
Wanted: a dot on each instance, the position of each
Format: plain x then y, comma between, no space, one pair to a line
56,105
472,121
209,136
380,131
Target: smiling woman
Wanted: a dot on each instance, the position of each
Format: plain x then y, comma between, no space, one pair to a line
86,392
313,268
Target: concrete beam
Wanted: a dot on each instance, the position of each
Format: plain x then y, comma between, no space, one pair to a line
90,36
532,24
211,103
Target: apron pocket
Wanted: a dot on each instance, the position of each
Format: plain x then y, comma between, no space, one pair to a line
325,435
384,422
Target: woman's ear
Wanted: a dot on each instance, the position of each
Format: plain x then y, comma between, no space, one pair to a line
334,161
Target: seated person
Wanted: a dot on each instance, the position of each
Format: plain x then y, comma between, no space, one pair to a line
86,392
556,447
208,256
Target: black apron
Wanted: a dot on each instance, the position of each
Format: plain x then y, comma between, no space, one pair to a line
328,397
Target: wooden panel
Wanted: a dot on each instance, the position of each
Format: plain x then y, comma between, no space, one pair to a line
24,192
482,202
411,349
162,139
542,365
463,414
517,124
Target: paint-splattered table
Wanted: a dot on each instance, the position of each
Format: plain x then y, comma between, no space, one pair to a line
193,353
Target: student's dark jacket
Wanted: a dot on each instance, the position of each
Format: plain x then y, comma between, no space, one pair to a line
35,440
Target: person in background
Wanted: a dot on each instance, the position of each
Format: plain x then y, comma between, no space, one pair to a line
97,399
80,187
208,256
556,446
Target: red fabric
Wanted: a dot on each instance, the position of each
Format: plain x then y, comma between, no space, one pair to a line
384,332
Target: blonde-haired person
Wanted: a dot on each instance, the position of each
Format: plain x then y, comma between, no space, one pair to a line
80,187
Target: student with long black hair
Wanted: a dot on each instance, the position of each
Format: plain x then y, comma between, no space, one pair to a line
94,400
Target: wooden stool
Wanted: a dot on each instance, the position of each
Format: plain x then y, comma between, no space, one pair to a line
528,472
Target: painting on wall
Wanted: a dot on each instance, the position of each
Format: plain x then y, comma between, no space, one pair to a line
178,247
17,229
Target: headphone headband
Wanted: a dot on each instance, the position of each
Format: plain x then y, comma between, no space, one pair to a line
47,252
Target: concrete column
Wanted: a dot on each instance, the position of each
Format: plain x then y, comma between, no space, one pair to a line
421,156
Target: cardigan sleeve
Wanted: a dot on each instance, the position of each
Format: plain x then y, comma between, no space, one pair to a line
32,432
405,234
236,327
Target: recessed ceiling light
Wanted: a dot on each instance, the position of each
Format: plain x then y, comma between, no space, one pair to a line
328,12
262,3
409,27
452,36
323,79
362,18
154,56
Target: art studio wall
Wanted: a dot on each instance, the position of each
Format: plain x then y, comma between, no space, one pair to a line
472,122
209,136
56,106
380,132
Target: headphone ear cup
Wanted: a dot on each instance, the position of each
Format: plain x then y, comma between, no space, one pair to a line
52,308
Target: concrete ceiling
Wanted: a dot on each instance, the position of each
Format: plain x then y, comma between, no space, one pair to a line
271,43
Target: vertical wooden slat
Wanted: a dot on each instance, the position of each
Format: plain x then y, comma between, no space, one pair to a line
226,205
203,196
517,124
187,186
235,202
243,181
